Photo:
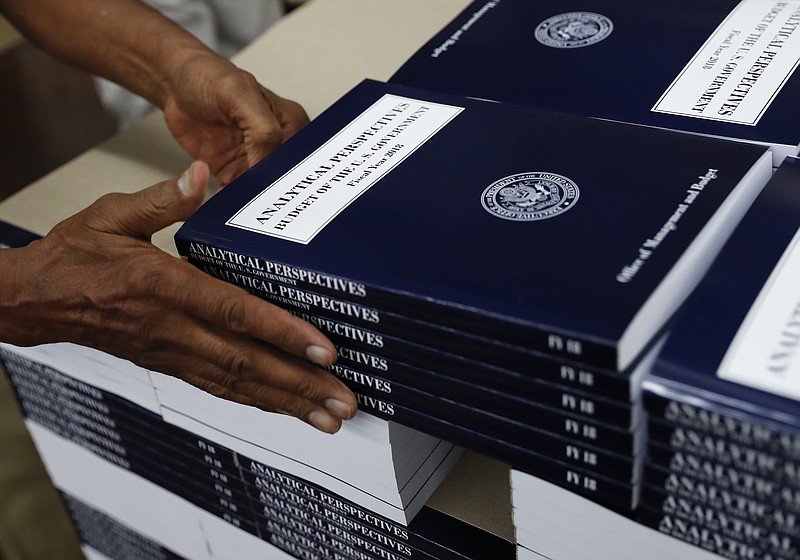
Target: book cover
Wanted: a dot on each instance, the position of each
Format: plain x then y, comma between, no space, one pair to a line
482,216
720,67
735,349
14,236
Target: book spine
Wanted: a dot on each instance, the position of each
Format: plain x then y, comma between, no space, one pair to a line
662,439
729,538
173,461
446,371
708,502
528,445
757,435
128,442
277,494
562,344
575,472
685,473
488,410
202,472
327,540
574,406
742,460
601,382
107,535
278,491
280,507
300,545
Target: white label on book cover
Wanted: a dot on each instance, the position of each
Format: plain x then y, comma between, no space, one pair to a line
765,353
741,68
297,206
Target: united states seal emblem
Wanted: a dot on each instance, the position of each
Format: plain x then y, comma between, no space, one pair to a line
531,196
573,29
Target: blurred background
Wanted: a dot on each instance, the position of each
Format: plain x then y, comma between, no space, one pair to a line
51,112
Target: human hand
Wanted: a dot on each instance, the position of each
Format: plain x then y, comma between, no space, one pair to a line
96,280
221,115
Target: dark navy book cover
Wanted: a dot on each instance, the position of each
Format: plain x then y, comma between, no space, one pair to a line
719,67
14,236
570,235
735,347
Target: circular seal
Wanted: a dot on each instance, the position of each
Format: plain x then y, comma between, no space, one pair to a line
527,197
573,29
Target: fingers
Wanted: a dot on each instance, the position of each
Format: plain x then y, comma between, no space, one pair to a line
149,210
265,119
222,304
244,370
326,416
246,103
250,354
251,347
168,314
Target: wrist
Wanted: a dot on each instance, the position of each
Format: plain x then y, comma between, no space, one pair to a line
17,326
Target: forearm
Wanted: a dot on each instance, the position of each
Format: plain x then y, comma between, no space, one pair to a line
125,41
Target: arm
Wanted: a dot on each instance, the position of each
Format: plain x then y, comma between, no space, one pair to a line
216,111
123,40
96,280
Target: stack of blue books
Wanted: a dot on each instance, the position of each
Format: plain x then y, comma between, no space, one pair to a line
494,275
724,68
721,68
164,486
149,466
722,469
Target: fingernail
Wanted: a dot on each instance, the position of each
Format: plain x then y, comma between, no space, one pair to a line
185,182
323,421
319,355
338,408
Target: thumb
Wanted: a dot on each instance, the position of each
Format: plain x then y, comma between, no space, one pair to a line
145,212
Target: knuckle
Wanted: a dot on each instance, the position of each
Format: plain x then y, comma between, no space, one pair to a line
218,391
233,314
146,279
288,404
146,337
237,363
305,387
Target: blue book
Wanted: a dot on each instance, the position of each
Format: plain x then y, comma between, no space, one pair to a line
718,67
571,236
731,362
14,236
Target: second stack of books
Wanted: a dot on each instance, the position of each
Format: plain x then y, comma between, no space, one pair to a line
722,469
495,275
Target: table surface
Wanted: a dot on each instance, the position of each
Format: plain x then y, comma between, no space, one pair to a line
313,55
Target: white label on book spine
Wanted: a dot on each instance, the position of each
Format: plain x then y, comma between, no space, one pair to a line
298,205
741,68
765,353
